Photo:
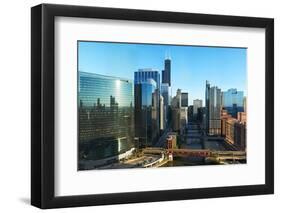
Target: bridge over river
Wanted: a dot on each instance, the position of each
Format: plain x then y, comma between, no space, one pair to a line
219,155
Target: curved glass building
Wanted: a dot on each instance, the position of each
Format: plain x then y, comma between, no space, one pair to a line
106,119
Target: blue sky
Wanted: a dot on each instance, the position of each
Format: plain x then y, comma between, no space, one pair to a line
191,65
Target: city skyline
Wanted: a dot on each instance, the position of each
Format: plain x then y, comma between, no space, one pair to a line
191,65
130,118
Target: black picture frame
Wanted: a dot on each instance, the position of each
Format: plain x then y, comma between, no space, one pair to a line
43,110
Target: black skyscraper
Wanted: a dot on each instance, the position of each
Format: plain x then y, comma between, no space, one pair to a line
166,73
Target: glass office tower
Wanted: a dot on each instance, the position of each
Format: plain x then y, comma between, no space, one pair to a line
106,118
144,74
232,101
146,112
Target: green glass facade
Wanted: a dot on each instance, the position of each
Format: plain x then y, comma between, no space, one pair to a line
106,117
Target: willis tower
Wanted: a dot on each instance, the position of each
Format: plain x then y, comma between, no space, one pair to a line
166,73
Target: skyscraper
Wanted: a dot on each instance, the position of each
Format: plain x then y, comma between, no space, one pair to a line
166,73
213,109
146,112
245,104
207,104
176,101
106,119
184,99
232,101
166,92
179,113
144,74
184,104
235,133
162,114
197,103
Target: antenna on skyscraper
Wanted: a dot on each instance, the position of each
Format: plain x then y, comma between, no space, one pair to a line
167,55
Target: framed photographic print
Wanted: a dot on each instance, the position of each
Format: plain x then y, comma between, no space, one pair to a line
139,106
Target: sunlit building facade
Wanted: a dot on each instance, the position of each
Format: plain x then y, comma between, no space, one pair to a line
106,119
146,112
233,101
213,109
184,99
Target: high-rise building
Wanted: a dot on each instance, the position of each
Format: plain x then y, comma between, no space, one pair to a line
184,99
176,112
166,73
179,113
240,135
245,104
175,119
224,117
155,115
183,118
197,104
146,112
106,119
166,93
190,112
235,133
213,108
230,130
176,101
232,101
144,74
162,114
242,117
184,106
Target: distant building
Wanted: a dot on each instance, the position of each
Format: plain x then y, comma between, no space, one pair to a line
156,114
184,103
166,93
175,121
245,104
197,104
233,101
106,119
184,99
213,107
183,118
166,73
190,112
176,101
162,113
179,113
142,75
200,115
